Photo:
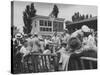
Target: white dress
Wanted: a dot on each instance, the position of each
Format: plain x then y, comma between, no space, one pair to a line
64,59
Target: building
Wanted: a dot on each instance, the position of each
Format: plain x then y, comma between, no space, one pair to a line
91,22
46,25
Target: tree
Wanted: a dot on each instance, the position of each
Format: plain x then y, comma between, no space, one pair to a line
55,11
29,12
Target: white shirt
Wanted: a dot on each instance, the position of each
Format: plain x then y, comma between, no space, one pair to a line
36,44
64,59
24,51
76,33
90,43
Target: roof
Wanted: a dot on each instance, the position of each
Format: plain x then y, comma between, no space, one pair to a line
47,17
85,20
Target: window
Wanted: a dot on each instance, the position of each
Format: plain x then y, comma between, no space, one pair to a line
45,23
45,29
61,26
50,29
49,23
45,26
41,29
41,22
57,26
54,26
35,23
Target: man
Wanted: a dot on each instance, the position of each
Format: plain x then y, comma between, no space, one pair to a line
18,39
24,50
81,32
56,41
42,44
35,43
65,36
90,43
66,52
64,57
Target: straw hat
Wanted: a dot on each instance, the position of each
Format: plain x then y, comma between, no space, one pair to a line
85,28
18,35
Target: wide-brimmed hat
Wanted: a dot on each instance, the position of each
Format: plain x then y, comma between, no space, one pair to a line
18,35
35,33
65,29
85,28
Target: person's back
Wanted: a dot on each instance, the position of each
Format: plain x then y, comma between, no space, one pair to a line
42,45
36,44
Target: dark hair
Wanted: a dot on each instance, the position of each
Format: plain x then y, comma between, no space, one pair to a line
64,44
29,35
74,43
47,47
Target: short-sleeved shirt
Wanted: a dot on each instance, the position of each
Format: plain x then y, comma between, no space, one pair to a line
36,44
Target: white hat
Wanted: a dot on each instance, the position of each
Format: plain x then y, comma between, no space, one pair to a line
40,37
18,35
65,29
25,34
85,28
35,33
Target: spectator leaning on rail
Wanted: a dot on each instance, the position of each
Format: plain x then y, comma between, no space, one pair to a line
47,51
89,42
74,46
88,47
24,50
81,32
64,57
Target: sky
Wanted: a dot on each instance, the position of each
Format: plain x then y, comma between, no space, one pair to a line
65,10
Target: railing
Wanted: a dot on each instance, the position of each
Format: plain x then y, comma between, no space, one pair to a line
82,63
41,63
36,62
